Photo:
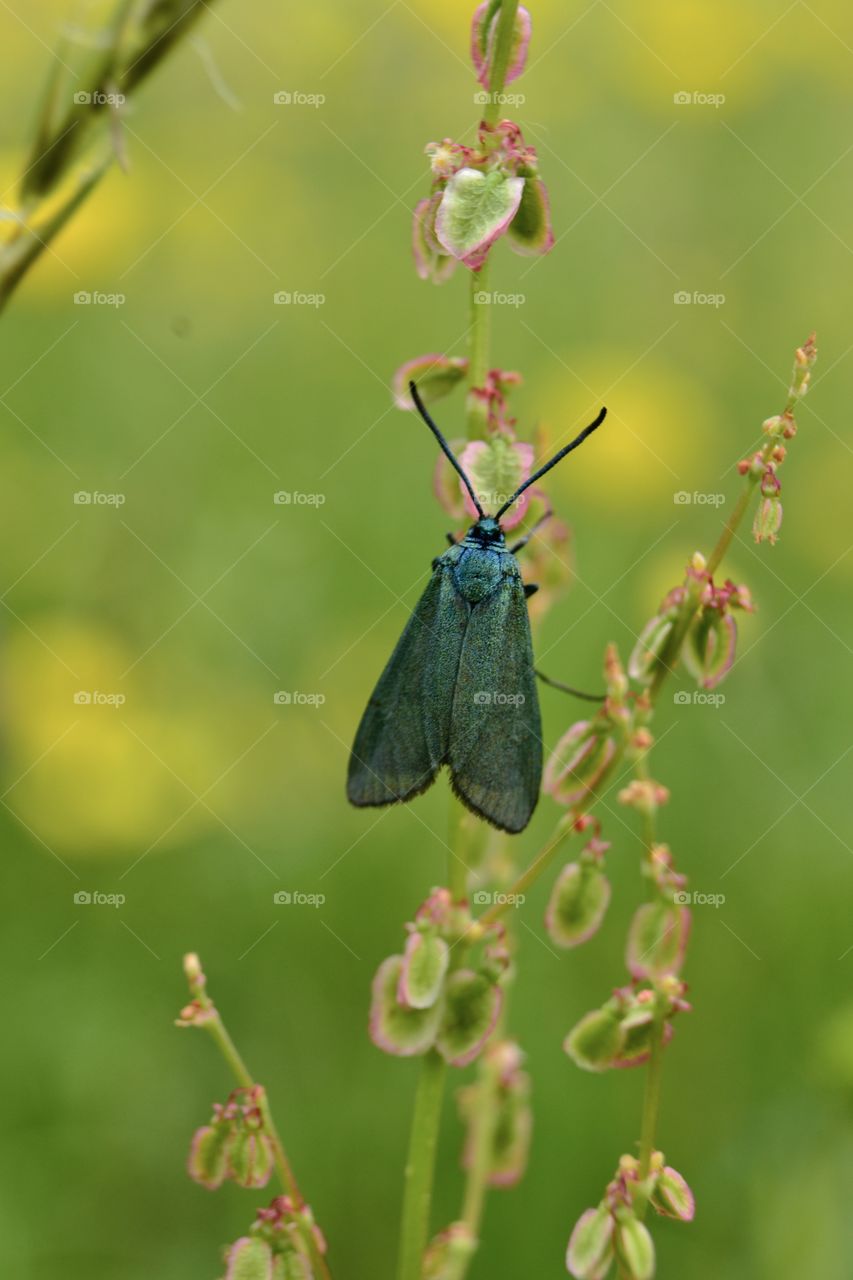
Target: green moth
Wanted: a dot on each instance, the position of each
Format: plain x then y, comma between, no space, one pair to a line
460,687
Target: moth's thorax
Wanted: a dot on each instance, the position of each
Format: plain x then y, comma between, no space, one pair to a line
481,561
487,532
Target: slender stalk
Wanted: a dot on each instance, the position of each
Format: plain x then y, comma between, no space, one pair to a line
651,1099
479,335
423,1142
500,63
420,1167
213,1024
484,1121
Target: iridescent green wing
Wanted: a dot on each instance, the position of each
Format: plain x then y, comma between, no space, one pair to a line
404,734
495,754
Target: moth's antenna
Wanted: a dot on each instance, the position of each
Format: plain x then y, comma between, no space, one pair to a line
537,475
446,449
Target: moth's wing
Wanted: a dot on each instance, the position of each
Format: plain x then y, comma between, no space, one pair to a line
404,733
495,755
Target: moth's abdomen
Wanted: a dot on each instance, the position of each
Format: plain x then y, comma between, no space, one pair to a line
479,571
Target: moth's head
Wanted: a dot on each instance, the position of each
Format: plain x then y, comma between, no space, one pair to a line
487,531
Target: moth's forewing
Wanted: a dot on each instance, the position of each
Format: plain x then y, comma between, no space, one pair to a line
403,736
495,754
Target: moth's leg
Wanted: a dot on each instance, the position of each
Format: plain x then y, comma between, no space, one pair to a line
530,589
451,540
522,542
567,688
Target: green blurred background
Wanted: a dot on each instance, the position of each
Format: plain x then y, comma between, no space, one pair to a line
198,598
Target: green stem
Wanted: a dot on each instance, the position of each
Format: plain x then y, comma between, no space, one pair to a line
420,1168
651,1106
457,864
529,877
484,1121
500,61
479,334
213,1024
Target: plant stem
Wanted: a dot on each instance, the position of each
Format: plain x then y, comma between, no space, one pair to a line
213,1024
651,1107
532,873
500,62
420,1168
484,1122
479,334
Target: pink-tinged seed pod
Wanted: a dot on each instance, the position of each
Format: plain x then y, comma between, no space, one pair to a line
590,1249
394,1028
672,1196
207,1163
483,31
577,905
249,1258
578,763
